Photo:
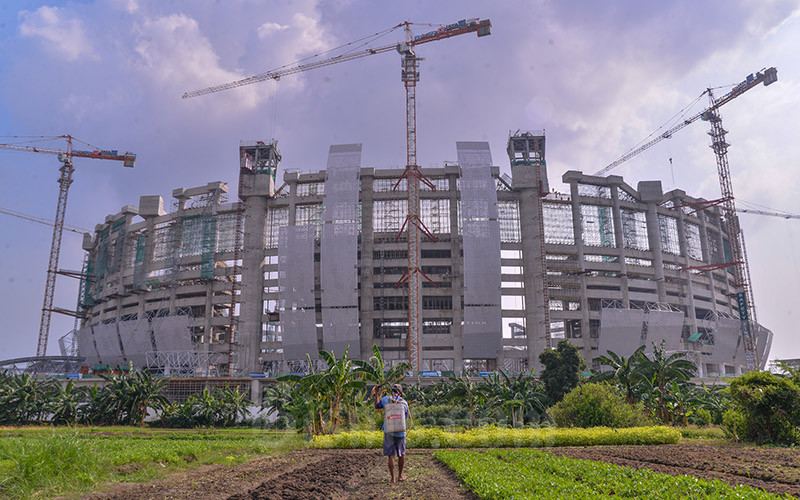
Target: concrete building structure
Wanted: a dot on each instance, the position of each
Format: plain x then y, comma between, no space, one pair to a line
314,264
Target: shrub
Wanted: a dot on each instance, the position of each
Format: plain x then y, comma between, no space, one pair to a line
767,409
596,405
701,417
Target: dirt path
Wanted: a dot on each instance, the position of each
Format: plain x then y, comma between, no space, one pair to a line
776,470
303,475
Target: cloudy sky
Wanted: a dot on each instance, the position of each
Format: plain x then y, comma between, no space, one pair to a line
599,76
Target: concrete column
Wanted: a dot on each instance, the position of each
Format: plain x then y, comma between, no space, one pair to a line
577,224
706,259
366,315
689,290
524,182
291,178
254,193
256,392
651,193
457,264
614,181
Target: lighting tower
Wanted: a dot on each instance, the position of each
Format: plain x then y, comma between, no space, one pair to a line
64,181
409,76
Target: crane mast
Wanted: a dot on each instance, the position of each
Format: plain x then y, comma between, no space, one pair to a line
741,273
413,225
64,182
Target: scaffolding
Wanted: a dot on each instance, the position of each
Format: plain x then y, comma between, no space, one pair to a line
435,213
508,215
597,224
694,247
184,363
558,228
277,217
388,215
592,191
668,229
634,229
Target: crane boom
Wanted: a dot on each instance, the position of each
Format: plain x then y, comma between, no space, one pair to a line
64,181
765,212
41,220
276,74
767,76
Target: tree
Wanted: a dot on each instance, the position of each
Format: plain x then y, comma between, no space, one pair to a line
467,391
374,370
339,382
127,396
625,372
664,369
233,404
66,401
562,367
24,399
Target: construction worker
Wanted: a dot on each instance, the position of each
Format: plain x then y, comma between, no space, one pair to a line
394,442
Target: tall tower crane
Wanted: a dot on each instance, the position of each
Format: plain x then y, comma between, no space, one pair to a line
741,273
409,76
64,181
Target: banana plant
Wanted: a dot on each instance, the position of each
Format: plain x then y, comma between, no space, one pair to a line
374,370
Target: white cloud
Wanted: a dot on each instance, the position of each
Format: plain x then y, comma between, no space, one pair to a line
312,36
63,36
267,29
175,54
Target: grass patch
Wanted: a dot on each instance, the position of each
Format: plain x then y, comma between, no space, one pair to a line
496,437
46,462
526,473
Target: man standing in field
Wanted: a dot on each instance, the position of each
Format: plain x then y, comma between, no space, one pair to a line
394,428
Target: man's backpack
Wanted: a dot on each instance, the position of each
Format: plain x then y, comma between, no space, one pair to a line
394,416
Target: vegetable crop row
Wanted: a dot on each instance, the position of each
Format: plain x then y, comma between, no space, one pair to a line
533,474
496,437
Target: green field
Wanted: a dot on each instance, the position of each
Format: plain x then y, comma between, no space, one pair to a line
47,462
517,474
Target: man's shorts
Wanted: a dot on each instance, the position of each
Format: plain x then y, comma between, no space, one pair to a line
393,445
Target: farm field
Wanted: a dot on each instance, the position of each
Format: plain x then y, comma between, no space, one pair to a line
46,462
361,474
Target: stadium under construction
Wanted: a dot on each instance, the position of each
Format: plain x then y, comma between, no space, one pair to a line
306,261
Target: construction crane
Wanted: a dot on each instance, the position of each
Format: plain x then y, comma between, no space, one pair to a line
771,214
767,76
741,269
413,225
42,220
64,181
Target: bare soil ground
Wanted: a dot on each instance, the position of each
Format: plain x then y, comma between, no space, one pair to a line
776,470
301,475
